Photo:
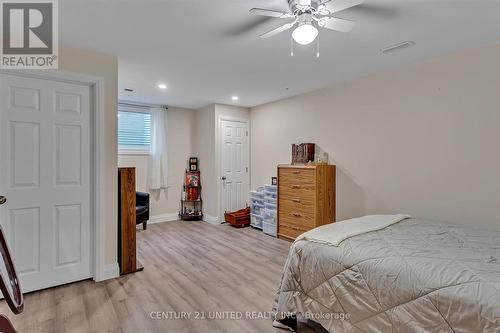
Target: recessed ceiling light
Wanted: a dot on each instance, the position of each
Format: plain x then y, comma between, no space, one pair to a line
162,86
235,98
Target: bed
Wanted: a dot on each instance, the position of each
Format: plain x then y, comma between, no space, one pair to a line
412,276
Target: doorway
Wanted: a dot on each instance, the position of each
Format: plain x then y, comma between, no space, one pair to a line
234,152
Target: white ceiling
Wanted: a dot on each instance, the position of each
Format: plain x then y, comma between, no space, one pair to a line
205,50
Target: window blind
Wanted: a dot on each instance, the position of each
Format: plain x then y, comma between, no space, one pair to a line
134,131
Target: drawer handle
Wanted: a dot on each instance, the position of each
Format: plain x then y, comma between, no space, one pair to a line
296,200
296,215
296,172
295,186
292,227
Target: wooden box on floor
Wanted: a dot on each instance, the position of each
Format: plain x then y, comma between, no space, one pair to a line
127,255
306,198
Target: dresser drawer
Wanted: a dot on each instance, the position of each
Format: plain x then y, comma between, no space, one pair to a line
299,200
297,220
296,190
290,231
297,176
296,215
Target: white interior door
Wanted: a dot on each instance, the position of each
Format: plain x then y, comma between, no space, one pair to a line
234,176
45,176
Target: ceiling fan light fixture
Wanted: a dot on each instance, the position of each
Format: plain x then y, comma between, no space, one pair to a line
305,33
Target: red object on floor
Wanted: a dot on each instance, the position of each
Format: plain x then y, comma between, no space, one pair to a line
239,219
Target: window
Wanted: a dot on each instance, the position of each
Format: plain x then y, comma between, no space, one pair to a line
134,132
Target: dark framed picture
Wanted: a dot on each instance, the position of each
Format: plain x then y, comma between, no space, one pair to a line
274,180
193,164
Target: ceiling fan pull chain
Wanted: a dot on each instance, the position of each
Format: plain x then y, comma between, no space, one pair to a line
317,47
291,46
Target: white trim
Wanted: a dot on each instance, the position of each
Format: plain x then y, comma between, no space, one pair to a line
99,270
132,104
160,218
110,271
211,219
218,156
134,152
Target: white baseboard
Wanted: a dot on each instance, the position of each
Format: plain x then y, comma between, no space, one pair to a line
160,218
110,271
169,217
211,219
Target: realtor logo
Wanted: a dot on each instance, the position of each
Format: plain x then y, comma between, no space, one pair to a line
29,34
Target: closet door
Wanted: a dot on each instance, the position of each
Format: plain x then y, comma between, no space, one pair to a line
233,137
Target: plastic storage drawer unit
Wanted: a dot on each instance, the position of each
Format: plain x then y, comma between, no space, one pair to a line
270,229
256,221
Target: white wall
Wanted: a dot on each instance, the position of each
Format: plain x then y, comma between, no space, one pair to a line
165,203
105,66
422,139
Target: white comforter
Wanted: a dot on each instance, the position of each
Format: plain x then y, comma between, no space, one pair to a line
333,234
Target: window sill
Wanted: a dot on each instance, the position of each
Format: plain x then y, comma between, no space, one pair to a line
134,152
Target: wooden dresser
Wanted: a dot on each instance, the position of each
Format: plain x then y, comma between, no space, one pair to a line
306,198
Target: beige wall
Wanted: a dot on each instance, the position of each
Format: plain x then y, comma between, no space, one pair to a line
180,145
105,66
422,139
232,111
205,147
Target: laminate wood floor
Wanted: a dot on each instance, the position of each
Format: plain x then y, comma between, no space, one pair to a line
189,267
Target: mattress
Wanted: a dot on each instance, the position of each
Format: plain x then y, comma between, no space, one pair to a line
414,276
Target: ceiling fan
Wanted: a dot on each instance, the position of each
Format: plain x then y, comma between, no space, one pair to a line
308,15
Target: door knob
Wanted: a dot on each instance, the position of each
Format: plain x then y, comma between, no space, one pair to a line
223,178
2,200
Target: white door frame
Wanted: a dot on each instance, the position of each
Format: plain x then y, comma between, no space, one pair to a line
96,84
218,149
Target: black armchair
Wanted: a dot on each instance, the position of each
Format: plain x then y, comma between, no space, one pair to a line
142,208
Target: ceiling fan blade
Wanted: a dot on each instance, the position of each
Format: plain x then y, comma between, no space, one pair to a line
334,6
337,24
277,30
271,13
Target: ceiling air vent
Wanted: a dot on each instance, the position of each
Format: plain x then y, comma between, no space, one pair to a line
398,46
